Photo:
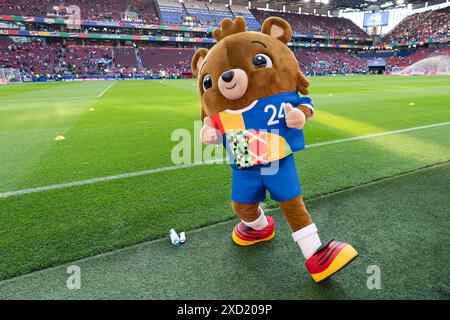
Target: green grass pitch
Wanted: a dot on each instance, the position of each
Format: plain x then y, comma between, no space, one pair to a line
130,131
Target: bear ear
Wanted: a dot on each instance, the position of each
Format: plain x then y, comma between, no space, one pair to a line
277,28
198,59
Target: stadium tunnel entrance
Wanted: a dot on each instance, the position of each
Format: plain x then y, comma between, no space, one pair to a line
376,66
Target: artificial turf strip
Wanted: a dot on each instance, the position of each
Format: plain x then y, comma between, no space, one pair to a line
49,228
399,224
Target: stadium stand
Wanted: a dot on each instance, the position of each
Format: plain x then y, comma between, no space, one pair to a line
432,24
33,57
146,11
174,13
219,12
310,24
125,57
85,59
105,10
252,23
171,12
116,55
204,14
24,7
329,61
157,57
408,58
171,60
199,11
210,14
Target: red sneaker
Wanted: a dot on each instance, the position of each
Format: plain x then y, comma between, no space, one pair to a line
246,236
329,259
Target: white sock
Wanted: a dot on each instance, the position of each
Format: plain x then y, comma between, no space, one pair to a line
308,240
259,223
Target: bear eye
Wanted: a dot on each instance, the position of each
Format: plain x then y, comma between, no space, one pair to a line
262,61
207,82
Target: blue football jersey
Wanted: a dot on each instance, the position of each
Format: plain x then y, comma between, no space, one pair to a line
252,132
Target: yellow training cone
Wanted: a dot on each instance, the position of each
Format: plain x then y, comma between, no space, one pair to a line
91,109
412,104
60,138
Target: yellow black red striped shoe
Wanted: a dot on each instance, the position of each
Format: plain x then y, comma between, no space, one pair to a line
329,259
246,236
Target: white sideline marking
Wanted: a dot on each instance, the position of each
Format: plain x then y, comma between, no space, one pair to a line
46,99
377,134
104,91
61,98
108,178
195,164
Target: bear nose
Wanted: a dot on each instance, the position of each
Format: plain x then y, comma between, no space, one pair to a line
227,76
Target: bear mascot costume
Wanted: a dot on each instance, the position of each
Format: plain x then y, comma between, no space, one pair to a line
249,85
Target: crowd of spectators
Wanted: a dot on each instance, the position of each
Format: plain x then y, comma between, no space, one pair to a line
422,26
56,59
25,7
34,58
155,58
85,59
172,12
329,61
432,24
100,10
409,58
30,57
312,24
206,14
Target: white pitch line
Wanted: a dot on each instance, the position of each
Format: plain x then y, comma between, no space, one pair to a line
195,164
104,91
102,179
46,99
377,134
61,98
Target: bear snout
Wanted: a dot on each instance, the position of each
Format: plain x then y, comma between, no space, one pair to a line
233,84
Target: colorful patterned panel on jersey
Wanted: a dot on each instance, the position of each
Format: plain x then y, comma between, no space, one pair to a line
258,134
239,144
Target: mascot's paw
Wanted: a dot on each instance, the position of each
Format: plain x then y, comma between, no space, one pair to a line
329,259
246,236
295,118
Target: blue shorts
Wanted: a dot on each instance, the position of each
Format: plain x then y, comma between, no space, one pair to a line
249,185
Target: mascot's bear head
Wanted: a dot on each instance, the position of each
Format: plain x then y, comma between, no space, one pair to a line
245,66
